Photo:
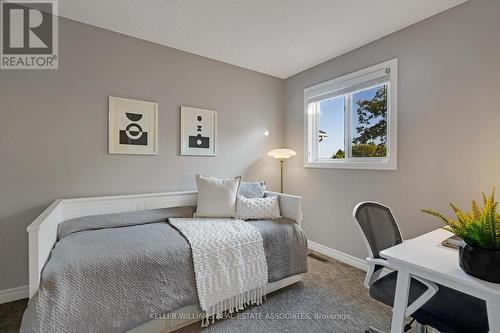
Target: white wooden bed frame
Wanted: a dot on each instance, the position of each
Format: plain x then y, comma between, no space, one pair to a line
43,235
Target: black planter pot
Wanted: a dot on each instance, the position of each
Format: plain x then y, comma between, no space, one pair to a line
481,263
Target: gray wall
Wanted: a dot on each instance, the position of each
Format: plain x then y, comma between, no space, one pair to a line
449,126
54,128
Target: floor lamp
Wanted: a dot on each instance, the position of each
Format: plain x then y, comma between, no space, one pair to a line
282,155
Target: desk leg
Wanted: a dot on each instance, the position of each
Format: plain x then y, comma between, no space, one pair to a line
493,315
400,301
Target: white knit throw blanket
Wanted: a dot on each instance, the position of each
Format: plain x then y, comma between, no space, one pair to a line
229,263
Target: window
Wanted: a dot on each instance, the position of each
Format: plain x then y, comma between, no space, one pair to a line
351,120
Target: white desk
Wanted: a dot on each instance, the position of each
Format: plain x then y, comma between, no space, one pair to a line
425,257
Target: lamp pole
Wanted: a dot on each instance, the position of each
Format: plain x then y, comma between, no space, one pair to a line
282,161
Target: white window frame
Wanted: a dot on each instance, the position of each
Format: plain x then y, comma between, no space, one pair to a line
386,71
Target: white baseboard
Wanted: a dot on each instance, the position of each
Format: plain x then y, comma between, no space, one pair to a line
13,294
338,255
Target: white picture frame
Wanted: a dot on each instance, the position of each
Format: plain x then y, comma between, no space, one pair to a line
133,126
198,132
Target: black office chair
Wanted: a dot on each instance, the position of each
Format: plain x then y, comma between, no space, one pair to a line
445,309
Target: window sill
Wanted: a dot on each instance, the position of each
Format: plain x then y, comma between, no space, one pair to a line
362,165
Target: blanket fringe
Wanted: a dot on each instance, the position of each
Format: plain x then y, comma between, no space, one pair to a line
233,304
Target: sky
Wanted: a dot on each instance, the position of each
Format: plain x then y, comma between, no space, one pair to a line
332,121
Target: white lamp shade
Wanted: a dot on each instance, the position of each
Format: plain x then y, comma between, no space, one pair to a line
282,153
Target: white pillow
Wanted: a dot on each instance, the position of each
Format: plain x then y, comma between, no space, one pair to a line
257,208
216,196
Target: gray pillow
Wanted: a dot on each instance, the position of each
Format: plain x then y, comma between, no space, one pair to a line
252,189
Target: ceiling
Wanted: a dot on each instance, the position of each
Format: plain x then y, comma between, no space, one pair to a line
276,37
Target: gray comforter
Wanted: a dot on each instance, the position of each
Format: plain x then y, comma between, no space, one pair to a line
109,273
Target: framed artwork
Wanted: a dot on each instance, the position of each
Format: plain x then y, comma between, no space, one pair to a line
133,126
198,132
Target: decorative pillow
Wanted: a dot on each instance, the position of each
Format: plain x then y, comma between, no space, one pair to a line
252,189
257,208
216,196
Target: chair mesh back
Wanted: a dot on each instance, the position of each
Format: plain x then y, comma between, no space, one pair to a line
378,226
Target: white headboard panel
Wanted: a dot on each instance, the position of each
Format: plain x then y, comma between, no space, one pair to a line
43,231
125,203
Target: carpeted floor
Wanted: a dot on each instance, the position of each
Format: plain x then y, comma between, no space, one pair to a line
331,298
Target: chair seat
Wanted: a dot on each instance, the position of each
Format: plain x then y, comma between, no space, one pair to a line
449,311
384,288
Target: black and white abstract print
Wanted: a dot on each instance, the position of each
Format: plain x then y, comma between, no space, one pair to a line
198,131
133,134
132,126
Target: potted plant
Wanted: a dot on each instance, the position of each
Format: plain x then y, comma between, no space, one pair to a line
479,253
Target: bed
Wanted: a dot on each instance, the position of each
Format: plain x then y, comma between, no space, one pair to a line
115,244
